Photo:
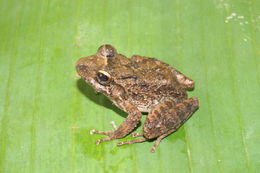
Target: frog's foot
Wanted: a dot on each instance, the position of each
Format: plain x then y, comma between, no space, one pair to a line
108,133
131,142
158,140
103,140
134,135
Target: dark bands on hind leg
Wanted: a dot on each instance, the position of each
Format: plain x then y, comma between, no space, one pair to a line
167,118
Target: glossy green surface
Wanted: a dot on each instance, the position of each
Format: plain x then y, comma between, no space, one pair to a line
46,112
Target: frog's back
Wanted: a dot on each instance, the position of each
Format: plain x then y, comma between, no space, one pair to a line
147,81
154,72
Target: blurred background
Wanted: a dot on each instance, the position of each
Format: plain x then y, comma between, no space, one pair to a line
46,111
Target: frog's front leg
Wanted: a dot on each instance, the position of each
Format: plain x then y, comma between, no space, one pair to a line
132,120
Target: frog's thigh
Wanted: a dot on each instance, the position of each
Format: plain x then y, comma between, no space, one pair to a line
168,116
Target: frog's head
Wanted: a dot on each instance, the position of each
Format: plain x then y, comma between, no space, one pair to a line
91,68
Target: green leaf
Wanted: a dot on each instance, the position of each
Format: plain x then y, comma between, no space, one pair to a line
46,112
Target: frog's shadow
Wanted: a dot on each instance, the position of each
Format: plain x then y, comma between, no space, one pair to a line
99,99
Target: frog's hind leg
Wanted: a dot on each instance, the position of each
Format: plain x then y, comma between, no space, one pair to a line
167,118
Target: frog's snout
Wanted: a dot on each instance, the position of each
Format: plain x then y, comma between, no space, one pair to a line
80,66
80,69
80,62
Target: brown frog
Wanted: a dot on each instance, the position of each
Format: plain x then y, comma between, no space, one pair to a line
139,84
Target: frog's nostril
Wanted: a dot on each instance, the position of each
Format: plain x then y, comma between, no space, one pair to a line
81,67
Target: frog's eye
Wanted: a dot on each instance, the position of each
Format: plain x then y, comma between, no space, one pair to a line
103,77
107,51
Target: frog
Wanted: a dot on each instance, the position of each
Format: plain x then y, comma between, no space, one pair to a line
138,85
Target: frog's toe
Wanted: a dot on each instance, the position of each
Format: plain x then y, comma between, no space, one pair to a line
101,140
98,142
120,143
153,149
93,131
109,133
104,140
113,124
